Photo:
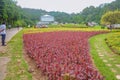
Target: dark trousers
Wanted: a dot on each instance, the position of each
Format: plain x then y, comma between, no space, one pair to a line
3,38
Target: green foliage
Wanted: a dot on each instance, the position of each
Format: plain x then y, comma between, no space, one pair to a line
111,18
113,42
31,16
95,13
2,10
68,26
61,17
101,48
13,14
20,23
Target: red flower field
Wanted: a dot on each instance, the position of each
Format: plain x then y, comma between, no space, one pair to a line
63,53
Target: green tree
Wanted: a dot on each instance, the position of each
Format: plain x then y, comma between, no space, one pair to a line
112,17
9,11
12,11
3,14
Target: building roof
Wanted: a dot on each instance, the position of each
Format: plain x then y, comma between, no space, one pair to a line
48,18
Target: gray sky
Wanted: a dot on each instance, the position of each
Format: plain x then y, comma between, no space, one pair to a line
68,6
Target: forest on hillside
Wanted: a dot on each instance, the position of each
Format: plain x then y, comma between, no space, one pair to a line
15,15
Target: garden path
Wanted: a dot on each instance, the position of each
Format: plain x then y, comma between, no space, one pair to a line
111,59
4,60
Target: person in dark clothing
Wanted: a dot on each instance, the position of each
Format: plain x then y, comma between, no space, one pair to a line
110,27
3,33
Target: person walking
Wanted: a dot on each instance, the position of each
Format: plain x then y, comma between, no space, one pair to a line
3,33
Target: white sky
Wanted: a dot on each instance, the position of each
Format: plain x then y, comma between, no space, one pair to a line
68,6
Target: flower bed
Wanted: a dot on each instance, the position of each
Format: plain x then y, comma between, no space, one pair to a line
62,55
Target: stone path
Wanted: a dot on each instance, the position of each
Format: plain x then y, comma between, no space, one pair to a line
111,59
9,34
3,70
4,60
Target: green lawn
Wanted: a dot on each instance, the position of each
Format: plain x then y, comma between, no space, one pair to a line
104,59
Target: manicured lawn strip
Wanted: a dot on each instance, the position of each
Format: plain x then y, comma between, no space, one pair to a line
105,70
17,67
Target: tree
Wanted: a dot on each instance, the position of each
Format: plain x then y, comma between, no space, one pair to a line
3,15
112,17
9,11
12,11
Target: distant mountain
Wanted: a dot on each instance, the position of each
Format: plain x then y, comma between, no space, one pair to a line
88,14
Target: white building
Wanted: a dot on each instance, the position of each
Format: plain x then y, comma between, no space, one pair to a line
114,26
91,24
45,20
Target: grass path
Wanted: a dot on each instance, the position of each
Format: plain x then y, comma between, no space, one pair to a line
105,60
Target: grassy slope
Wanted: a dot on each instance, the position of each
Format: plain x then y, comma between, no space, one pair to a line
102,67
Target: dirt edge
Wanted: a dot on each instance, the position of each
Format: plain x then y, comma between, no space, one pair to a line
36,73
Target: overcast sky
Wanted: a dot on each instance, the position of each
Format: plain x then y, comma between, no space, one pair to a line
68,6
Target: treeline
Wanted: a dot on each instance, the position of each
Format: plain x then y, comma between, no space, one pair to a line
14,15
95,13
17,16
10,12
